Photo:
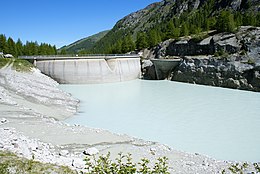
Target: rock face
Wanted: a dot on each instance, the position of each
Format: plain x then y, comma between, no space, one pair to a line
229,60
223,73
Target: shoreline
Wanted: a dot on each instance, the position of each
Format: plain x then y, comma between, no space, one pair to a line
32,109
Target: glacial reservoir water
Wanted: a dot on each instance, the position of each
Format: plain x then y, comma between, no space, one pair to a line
221,123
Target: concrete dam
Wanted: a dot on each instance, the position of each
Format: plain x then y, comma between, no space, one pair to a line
89,69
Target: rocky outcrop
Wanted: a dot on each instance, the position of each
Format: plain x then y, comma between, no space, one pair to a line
214,72
229,60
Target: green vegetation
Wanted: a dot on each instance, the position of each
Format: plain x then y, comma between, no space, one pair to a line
168,23
153,25
241,168
10,163
225,22
8,46
81,46
22,65
124,165
257,167
221,54
17,64
4,62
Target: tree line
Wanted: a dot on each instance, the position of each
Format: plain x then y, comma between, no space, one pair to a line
192,22
225,21
9,46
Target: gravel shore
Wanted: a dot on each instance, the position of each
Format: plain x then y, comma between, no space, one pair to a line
32,109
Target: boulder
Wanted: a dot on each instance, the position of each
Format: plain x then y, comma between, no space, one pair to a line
91,151
64,153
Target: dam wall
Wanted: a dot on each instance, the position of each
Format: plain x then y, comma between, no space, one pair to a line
88,71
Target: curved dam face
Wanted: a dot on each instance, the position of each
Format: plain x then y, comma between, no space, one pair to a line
87,71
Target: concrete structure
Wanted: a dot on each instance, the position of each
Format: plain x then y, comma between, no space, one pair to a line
163,67
89,69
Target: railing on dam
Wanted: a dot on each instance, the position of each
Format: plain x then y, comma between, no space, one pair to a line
88,56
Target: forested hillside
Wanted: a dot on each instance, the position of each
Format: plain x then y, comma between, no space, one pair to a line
9,46
174,18
83,45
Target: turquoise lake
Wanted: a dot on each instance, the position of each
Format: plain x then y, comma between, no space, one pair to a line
217,122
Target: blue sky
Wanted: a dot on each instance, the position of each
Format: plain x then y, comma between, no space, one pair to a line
61,22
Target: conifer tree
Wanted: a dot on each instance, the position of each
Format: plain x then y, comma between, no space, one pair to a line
19,47
225,22
153,38
169,30
184,29
2,42
249,18
127,44
141,41
11,47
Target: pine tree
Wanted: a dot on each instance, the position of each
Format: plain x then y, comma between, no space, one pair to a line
19,47
176,32
258,19
127,44
238,19
169,30
117,48
249,18
141,41
153,38
184,29
11,47
225,22
2,43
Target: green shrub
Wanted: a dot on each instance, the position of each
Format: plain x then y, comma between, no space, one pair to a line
257,167
221,54
124,165
4,62
242,168
22,65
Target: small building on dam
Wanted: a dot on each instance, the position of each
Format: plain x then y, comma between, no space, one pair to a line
89,69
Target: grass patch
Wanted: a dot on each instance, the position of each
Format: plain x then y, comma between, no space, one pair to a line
20,65
10,163
4,62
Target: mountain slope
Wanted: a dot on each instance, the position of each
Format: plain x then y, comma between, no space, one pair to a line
193,16
84,44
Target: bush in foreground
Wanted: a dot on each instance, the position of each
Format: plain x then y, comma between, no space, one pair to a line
124,165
